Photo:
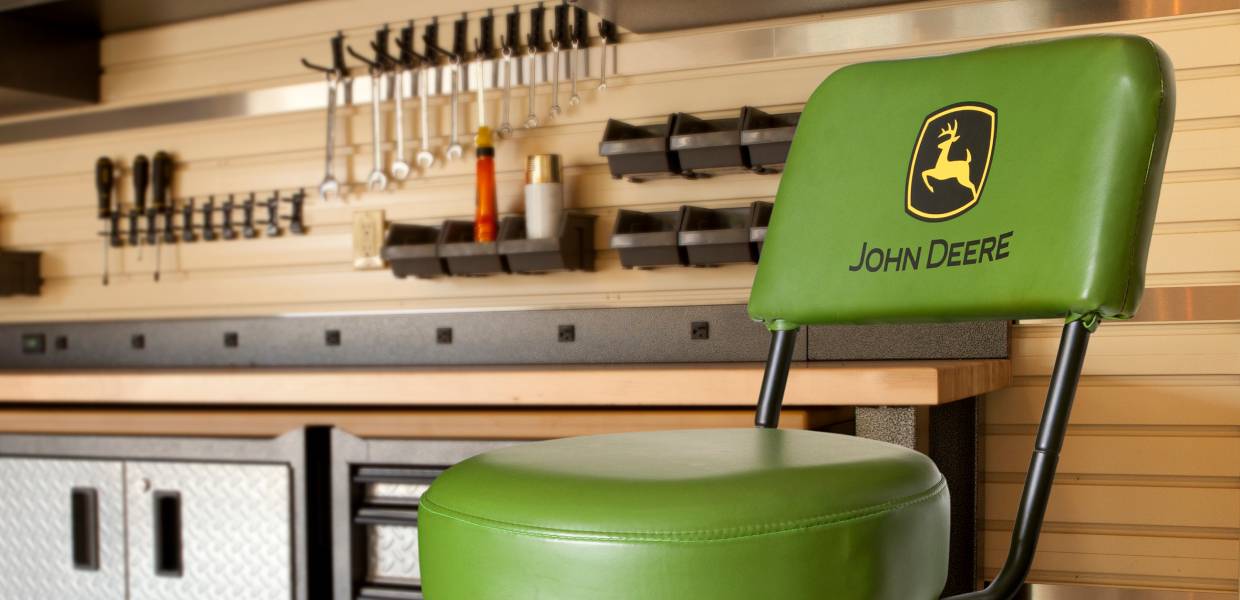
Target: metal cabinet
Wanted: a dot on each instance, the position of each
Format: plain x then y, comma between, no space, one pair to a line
62,529
125,518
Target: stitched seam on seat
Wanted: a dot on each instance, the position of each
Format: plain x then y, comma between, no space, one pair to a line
688,536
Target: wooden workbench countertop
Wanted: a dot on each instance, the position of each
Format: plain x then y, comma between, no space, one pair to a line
893,383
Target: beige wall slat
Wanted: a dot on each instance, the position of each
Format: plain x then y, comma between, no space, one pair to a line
1118,349
1126,401
1146,505
1131,454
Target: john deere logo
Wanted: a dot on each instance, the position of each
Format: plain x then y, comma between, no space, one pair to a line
948,170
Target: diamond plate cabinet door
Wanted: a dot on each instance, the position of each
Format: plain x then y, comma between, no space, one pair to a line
62,532
209,531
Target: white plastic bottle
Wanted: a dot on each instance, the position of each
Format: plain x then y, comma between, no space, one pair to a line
544,196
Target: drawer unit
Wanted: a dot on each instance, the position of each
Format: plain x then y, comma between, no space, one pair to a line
376,488
145,518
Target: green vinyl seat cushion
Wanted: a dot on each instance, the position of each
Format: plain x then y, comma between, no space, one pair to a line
712,514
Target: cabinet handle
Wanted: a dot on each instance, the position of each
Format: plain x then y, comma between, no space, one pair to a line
167,509
84,517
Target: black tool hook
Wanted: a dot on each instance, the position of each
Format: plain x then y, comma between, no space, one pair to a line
579,30
377,63
508,42
607,30
535,41
338,68
484,45
561,35
409,58
430,37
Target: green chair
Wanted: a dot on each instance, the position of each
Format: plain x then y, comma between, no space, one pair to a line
1014,182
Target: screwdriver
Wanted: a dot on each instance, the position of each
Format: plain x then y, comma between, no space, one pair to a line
104,180
161,178
141,175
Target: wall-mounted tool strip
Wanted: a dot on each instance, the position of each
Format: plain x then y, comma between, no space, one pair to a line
691,236
425,252
156,224
680,334
693,147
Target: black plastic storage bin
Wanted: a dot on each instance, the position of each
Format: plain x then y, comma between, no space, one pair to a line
464,256
767,138
639,152
716,236
760,219
647,240
414,250
572,249
708,145
19,274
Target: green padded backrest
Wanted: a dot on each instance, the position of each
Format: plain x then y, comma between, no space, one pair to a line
1012,182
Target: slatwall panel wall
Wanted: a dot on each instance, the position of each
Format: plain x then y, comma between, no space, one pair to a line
1150,491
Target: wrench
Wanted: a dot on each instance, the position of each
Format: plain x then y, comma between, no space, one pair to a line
602,84
455,150
482,104
378,179
505,128
531,120
400,167
330,187
424,159
574,65
555,80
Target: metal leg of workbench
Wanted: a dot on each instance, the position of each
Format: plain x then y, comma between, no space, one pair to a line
950,435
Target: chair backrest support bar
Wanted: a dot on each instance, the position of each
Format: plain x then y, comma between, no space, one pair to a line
775,379
1041,476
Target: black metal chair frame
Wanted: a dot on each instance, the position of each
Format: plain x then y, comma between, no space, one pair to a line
1041,476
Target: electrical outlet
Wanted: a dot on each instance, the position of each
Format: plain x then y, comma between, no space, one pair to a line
368,231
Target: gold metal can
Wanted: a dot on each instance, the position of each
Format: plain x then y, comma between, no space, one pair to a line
542,168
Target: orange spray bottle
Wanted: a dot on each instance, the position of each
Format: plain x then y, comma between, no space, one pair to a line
484,214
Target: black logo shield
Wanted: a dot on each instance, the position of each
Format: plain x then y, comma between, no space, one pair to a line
950,162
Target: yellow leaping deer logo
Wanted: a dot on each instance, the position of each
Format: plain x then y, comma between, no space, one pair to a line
946,168
940,185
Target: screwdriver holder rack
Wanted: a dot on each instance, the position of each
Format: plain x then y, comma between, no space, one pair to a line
691,236
186,221
691,147
425,252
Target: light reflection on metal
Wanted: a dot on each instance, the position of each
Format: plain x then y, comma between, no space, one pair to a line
1198,303
1042,591
934,23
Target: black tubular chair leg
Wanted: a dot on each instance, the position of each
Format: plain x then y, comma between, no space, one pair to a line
778,362
1041,474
